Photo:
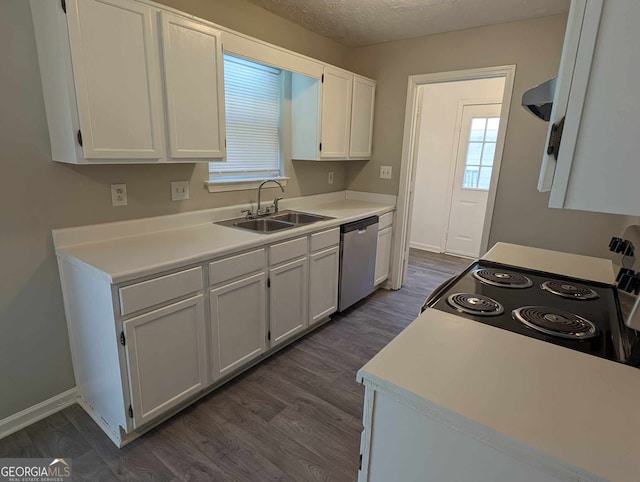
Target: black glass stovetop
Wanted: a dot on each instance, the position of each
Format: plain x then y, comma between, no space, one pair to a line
603,311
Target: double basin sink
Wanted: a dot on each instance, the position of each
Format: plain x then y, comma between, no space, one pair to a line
274,222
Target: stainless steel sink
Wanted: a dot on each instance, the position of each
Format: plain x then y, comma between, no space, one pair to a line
298,218
265,225
274,222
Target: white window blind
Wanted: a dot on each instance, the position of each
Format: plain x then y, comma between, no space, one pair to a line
252,102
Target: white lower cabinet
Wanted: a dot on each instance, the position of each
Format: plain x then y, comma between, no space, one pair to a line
324,269
288,297
166,357
383,255
238,323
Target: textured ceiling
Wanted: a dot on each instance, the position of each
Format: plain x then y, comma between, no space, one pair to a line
363,22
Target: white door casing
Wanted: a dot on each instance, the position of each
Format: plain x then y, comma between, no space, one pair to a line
288,297
238,324
116,69
194,87
469,204
336,113
166,357
402,232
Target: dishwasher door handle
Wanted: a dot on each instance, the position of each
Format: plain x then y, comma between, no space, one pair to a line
362,231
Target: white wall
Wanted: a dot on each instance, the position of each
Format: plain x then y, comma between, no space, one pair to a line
435,163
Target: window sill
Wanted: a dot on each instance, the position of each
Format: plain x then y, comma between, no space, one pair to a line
240,184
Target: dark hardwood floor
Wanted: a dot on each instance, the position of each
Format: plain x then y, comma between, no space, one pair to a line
295,417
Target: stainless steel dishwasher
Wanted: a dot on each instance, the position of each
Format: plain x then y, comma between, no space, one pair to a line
358,244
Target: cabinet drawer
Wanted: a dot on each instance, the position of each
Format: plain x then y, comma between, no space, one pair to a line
159,290
281,252
325,239
236,266
386,220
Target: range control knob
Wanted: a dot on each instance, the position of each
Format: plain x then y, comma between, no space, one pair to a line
629,282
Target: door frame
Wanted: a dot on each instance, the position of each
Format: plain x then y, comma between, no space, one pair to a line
404,205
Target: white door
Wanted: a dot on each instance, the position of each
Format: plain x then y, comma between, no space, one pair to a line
117,78
383,255
472,180
336,113
238,323
364,93
194,87
166,357
323,285
288,300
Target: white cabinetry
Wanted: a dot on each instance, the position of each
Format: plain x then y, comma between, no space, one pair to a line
116,75
288,299
324,272
383,251
337,90
238,308
194,87
102,64
361,134
597,96
166,357
332,119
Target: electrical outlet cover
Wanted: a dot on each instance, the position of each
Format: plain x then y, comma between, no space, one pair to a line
385,172
180,190
118,194
331,178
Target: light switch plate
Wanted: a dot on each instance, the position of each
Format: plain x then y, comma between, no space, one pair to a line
118,194
385,172
180,190
331,177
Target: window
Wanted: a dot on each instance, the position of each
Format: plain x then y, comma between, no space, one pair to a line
252,103
480,153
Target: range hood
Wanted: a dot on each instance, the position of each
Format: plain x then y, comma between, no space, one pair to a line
539,100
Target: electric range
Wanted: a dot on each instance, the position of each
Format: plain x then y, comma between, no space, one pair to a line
576,314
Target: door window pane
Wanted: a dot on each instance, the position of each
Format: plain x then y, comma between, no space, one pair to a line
481,152
478,126
493,124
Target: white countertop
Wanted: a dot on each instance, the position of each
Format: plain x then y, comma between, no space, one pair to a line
130,257
518,394
567,264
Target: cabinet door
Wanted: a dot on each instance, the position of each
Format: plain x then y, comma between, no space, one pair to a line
336,113
288,300
166,357
383,255
597,168
194,87
364,93
238,323
323,284
117,78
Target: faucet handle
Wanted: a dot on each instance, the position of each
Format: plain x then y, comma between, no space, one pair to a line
247,212
275,203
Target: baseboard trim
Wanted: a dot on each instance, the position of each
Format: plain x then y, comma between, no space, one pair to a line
425,247
36,413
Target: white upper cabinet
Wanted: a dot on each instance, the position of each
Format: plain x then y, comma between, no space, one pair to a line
364,93
597,95
116,72
126,82
332,118
337,89
194,87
